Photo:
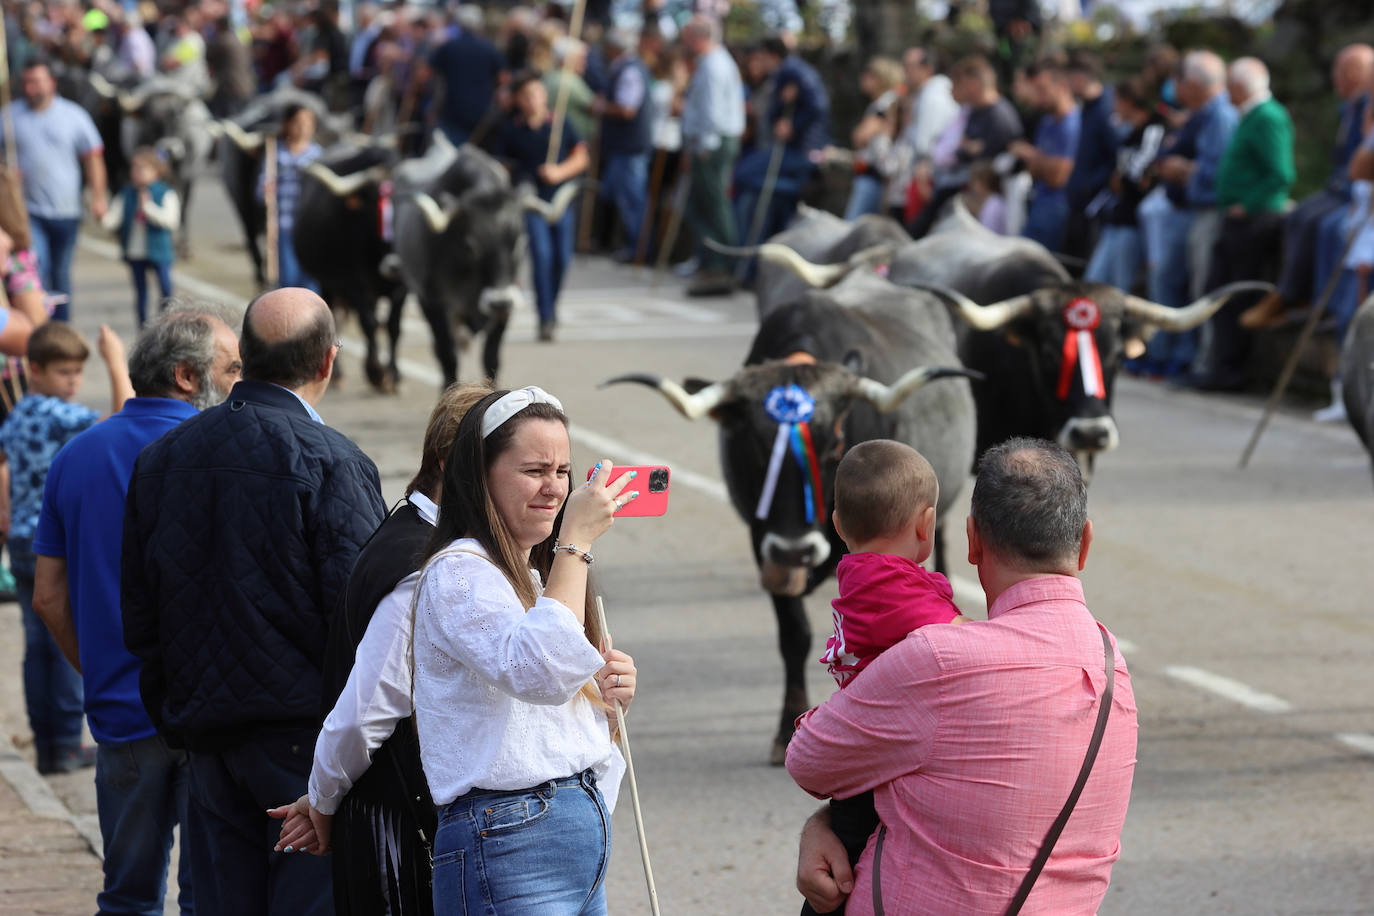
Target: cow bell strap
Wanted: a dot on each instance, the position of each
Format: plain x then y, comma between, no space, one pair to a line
1099,729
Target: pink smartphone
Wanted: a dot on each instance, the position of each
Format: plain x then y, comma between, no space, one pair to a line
652,483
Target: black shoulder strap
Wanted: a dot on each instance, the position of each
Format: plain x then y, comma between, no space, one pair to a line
1043,856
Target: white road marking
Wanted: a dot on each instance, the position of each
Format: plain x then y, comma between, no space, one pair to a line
1125,646
1228,688
1357,740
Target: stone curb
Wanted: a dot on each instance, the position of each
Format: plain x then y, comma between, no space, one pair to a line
33,790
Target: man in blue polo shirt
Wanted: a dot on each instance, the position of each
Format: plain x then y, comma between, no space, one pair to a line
184,362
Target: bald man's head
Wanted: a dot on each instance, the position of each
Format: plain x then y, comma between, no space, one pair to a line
1352,69
287,336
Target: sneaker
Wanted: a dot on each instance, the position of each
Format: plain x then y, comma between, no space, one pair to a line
546,331
68,761
624,256
712,284
1268,313
1335,413
687,268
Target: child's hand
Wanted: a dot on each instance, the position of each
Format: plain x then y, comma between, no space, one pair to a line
110,346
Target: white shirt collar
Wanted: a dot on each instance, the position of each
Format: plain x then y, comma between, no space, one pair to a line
314,415
1254,102
425,506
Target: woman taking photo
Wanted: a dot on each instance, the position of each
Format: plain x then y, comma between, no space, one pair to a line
512,688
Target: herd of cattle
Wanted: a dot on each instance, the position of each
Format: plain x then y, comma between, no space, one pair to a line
951,343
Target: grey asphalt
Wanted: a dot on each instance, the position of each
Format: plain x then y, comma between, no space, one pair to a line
1245,599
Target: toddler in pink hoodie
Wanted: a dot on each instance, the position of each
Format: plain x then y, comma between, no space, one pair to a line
885,496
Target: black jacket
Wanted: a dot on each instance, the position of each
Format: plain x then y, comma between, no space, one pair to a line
384,828
240,529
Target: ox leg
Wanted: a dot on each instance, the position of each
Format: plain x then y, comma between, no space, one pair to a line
794,641
184,230
491,346
396,299
442,330
366,307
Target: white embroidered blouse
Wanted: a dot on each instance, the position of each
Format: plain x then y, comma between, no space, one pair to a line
498,689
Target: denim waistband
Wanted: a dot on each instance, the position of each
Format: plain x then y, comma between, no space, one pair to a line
585,778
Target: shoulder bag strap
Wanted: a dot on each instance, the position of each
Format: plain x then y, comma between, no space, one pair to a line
1103,709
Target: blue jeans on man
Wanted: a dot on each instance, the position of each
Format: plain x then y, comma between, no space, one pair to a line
140,791
54,243
625,180
1117,258
1047,219
289,272
865,197
1172,354
551,251
52,687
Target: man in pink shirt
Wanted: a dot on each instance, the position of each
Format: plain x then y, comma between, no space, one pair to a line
971,737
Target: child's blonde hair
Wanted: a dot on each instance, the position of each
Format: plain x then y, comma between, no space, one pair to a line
151,158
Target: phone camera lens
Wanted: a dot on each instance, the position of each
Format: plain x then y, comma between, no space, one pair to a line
658,480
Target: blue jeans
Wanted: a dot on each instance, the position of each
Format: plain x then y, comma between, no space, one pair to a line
54,242
542,850
140,794
865,196
52,688
551,251
1117,257
289,271
1046,220
1168,285
625,180
139,269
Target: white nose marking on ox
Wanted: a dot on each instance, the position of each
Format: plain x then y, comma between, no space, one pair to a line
1088,429
775,546
511,296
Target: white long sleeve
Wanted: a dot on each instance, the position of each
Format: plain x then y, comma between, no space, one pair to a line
498,694
375,698
166,215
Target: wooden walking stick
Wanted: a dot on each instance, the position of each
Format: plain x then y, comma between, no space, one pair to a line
646,223
589,192
679,202
560,106
765,202
1310,326
630,770
269,150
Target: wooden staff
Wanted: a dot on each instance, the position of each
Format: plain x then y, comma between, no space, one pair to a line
589,192
765,201
5,397
1291,366
560,107
651,211
630,770
270,199
681,192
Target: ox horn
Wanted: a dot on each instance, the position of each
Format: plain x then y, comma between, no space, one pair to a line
244,140
691,406
980,317
342,185
552,211
1185,319
130,102
817,275
437,219
102,86
888,398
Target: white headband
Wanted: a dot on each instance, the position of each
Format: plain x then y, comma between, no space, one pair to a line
511,403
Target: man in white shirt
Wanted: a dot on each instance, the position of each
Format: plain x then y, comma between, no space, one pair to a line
931,109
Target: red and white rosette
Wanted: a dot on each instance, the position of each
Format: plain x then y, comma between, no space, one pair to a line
1081,318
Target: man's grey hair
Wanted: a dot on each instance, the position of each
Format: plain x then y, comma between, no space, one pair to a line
565,47
1030,503
182,335
469,16
1205,69
1250,74
703,26
621,40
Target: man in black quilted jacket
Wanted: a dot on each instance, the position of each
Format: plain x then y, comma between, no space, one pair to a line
240,530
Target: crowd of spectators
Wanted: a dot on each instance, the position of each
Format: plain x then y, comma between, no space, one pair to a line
1169,181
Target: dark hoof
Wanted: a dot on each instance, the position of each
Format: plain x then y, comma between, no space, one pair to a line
376,376
778,755
391,381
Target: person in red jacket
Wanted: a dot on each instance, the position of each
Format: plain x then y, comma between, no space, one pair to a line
885,496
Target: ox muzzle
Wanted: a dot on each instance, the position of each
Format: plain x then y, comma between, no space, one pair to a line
1089,434
785,564
499,302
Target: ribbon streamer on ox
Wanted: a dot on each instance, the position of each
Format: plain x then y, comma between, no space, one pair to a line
1081,318
791,407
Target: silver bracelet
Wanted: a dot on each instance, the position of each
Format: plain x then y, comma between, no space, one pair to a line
581,554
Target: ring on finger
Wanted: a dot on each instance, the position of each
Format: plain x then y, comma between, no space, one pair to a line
617,680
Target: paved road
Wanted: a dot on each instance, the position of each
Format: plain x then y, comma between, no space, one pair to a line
1243,599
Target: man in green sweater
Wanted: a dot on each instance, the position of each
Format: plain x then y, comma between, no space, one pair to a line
1253,180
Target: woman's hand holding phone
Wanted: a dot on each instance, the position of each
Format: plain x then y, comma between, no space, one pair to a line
590,509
